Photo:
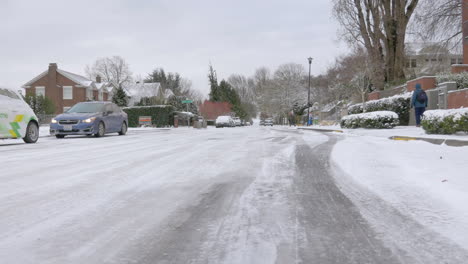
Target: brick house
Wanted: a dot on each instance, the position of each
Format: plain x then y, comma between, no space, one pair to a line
66,89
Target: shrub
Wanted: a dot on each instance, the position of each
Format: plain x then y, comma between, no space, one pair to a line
460,78
161,115
378,119
445,121
400,104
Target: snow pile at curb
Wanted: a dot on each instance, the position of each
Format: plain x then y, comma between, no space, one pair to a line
377,119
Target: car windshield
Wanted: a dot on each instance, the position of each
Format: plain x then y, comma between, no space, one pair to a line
86,108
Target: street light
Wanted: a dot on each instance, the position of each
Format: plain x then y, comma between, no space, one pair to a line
308,95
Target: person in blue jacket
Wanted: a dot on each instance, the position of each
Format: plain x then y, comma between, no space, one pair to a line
419,102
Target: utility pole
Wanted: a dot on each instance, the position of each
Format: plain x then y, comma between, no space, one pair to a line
308,95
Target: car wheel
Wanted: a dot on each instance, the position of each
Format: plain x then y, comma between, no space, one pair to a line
59,136
123,130
32,133
101,130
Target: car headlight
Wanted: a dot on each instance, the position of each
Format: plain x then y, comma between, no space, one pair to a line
53,121
89,120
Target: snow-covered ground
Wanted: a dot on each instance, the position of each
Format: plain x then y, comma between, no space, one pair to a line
231,195
406,131
427,182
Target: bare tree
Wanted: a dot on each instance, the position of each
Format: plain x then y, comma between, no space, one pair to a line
243,86
379,26
112,69
439,21
290,84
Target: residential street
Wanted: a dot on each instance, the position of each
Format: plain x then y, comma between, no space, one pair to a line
229,195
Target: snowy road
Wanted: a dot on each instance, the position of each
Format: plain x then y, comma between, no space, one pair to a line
243,195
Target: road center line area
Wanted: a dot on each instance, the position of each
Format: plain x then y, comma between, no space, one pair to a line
243,195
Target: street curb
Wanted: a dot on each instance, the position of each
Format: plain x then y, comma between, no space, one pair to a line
321,130
436,141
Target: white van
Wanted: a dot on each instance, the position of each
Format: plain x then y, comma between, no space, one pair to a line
17,119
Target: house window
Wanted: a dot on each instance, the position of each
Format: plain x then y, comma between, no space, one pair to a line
68,92
413,63
40,91
453,61
460,60
101,95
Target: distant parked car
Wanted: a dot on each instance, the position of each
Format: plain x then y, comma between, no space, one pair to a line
17,119
247,123
90,118
224,121
237,121
262,122
268,122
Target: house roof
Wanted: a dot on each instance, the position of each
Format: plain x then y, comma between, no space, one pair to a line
81,80
139,90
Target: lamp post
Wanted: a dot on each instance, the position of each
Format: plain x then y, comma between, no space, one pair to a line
308,95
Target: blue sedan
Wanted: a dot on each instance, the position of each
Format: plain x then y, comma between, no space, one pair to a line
90,118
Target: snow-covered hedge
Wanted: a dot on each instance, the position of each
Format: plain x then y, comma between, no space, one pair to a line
445,121
378,119
400,104
460,78
161,116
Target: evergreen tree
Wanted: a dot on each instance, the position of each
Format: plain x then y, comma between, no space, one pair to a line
41,105
215,95
120,97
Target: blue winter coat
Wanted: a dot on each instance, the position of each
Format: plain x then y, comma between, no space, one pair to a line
415,102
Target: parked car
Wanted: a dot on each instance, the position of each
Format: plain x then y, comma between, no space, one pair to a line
237,121
90,118
247,123
224,121
268,122
262,122
17,119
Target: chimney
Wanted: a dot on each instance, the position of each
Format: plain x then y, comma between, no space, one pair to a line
51,89
98,79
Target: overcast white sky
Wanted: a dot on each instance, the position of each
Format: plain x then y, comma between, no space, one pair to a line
182,36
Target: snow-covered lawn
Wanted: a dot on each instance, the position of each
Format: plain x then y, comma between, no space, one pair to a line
424,181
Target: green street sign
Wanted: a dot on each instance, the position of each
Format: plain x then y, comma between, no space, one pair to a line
187,101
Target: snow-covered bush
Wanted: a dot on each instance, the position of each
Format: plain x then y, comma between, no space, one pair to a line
460,78
445,121
400,104
161,115
378,119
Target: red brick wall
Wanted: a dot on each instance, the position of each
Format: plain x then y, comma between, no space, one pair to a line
427,83
457,99
465,30
373,96
458,68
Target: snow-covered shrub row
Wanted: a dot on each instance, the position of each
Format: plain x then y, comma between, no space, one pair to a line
400,104
445,121
460,78
161,116
378,119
